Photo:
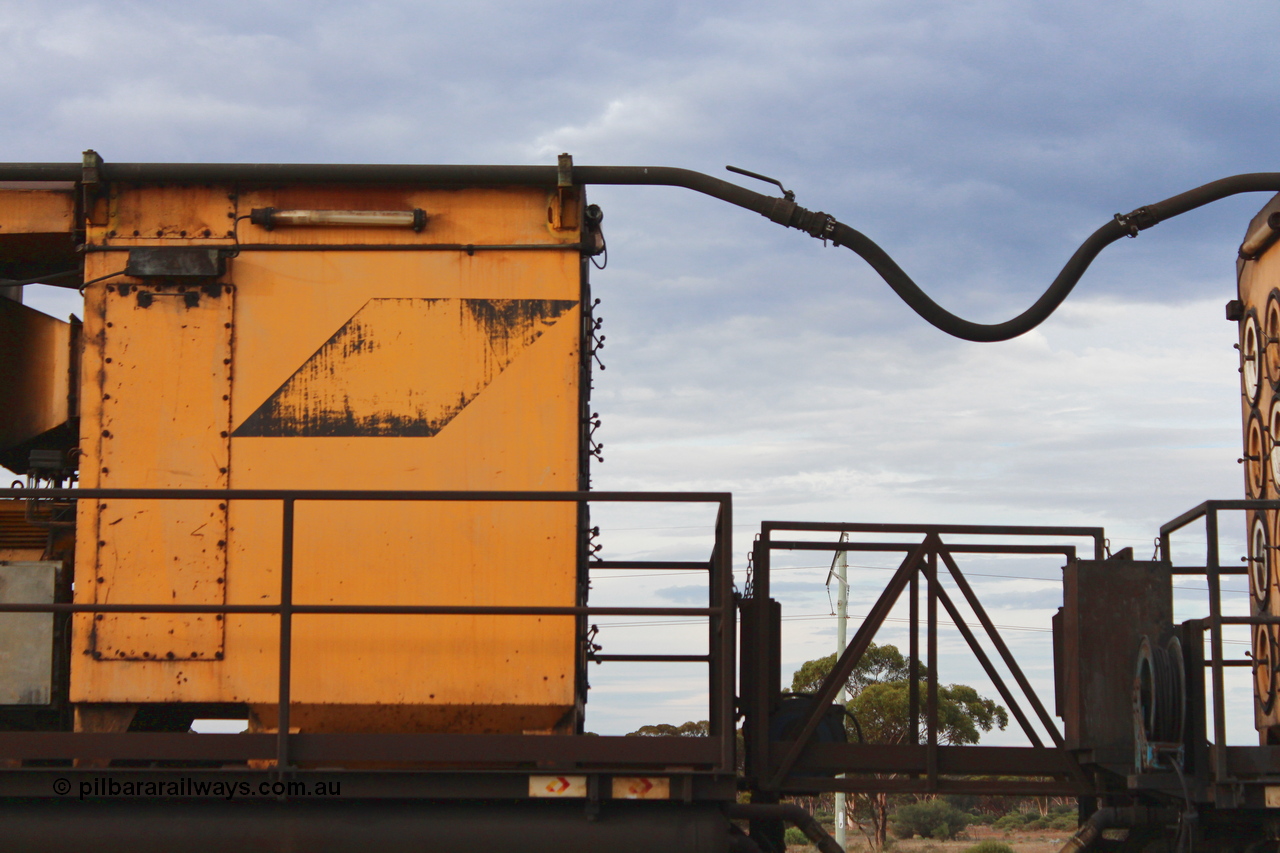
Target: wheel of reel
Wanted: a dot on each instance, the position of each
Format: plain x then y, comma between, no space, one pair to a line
1271,340
1264,672
1255,458
1251,359
1260,559
1273,436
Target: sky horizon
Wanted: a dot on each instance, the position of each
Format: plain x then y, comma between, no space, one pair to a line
979,143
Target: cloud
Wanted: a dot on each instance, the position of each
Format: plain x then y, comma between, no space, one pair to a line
978,142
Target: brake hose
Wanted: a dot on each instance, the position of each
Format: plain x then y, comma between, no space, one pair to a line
786,212
1123,225
783,210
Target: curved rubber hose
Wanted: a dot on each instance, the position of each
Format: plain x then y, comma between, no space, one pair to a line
822,226
959,327
1121,226
1091,830
780,210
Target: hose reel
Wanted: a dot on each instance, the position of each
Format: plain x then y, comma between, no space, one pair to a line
1264,667
1159,704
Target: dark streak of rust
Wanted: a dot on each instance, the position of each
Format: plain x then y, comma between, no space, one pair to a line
509,325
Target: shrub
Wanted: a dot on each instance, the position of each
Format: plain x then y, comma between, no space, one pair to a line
1013,820
795,838
931,819
1036,823
989,846
1067,822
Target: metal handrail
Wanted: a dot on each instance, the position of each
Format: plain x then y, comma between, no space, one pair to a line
721,613
1213,572
773,764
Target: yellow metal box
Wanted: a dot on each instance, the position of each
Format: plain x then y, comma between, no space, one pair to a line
442,351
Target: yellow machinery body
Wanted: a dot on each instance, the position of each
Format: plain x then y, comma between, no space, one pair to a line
340,353
1258,277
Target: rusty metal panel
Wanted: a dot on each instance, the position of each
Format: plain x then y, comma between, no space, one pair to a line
35,372
416,371
403,367
165,384
1258,287
169,212
36,211
26,639
1108,605
355,369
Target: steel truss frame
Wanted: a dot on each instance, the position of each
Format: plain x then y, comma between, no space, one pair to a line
801,765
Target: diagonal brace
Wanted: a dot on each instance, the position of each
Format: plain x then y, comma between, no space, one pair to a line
852,654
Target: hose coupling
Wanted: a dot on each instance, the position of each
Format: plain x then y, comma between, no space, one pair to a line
1137,220
814,223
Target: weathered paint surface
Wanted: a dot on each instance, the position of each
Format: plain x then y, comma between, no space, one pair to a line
36,211
169,213
1259,289
35,360
403,367
165,386
519,312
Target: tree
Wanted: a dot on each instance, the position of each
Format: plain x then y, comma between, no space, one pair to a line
701,728
880,687
932,819
878,664
883,713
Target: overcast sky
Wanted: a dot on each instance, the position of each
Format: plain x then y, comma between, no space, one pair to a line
979,142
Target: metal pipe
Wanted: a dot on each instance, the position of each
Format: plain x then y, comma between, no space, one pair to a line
1261,237
780,210
649,658
370,495
1109,818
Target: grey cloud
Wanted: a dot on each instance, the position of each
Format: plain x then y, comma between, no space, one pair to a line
978,142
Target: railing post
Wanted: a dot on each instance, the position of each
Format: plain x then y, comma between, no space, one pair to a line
913,661
1215,643
758,658
931,700
722,637
286,633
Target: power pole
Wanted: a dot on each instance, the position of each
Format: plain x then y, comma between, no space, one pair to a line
840,568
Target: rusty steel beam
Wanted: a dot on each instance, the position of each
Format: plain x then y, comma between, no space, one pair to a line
913,758
371,495
344,609
1005,787
495,749
653,565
